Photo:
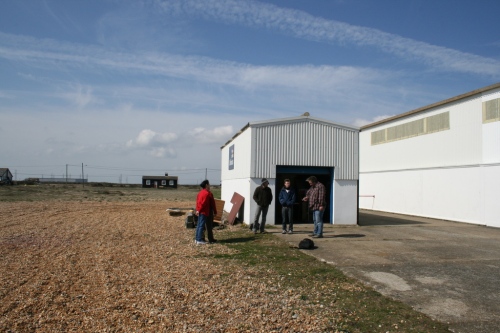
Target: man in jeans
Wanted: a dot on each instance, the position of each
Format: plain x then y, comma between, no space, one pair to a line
287,199
205,209
316,198
263,196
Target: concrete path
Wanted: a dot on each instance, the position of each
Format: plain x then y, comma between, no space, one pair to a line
447,270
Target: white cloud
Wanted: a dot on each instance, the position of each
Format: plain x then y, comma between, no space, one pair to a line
215,135
148,138
303,25
156,144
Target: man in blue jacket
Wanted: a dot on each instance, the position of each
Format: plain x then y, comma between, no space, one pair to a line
287,199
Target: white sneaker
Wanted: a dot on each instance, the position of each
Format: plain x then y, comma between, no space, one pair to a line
290,231
283,232
200,243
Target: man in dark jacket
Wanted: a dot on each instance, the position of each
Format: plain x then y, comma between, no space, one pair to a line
287,199
263,196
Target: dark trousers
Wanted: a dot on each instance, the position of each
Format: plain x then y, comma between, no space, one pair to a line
287,215
208,227
260,210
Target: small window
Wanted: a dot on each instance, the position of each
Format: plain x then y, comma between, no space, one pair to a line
148,182
491,111
171,183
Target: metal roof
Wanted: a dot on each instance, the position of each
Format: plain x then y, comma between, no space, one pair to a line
428,107
303,118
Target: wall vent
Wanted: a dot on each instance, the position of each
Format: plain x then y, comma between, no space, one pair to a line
432,124
491,111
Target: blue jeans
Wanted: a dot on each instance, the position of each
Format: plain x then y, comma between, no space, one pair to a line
318,222
287,214
200,227
263,210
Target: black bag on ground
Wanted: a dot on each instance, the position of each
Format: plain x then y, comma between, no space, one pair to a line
306,244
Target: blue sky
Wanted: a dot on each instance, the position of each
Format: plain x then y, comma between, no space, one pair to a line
132,88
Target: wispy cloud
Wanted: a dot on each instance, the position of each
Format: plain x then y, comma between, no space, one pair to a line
60,55
303,25
361,122
81,96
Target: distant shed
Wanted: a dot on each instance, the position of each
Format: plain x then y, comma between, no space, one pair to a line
160,181
5,176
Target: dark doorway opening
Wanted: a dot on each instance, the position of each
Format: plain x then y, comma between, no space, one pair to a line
298,176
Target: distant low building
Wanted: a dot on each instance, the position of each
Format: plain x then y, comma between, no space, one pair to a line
160,181
5,176
63,180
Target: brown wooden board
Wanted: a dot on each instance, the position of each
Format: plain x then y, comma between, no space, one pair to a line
219,204
237,201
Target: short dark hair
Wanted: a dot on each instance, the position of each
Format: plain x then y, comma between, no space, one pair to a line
287,180
312,179
204,183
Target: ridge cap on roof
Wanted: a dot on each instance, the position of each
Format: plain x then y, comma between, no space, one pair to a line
300,118
288,119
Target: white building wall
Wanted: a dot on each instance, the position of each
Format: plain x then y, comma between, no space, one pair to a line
460,145
491,186
467,194
345,200
242,157
452,174
237,180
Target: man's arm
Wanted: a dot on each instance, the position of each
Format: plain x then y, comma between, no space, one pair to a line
256,195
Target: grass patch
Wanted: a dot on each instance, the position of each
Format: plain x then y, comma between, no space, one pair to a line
357,308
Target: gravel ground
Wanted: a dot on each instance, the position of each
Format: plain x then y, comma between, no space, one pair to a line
90,266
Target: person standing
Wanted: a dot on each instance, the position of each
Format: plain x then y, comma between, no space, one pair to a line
263,196
317,202
205,210
287,199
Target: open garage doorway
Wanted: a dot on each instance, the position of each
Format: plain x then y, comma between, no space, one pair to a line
298,176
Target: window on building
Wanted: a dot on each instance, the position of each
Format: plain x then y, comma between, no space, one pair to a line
163,182
491,111
148,182
428,125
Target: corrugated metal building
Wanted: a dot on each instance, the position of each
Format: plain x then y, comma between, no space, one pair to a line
440,161
293,148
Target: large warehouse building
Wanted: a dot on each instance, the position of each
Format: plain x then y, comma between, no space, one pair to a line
293,148
439,161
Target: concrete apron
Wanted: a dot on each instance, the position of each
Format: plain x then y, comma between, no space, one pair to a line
447,270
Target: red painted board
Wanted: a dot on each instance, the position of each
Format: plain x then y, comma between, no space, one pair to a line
237,201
